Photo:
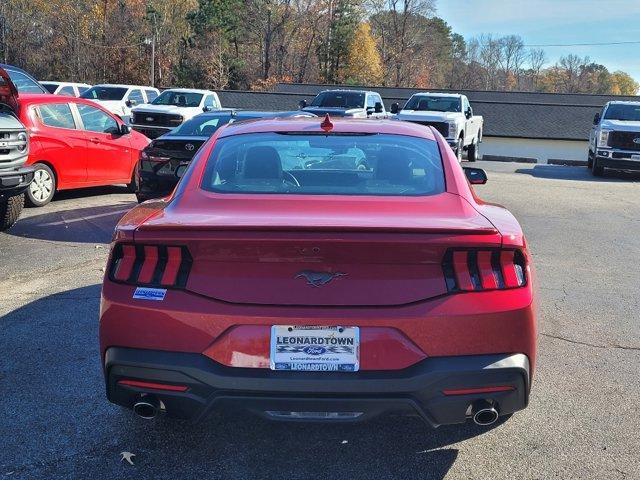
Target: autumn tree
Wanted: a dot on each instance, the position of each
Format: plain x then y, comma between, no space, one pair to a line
364,66
623,84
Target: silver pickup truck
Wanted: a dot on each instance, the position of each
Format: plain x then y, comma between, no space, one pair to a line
450,114
14,149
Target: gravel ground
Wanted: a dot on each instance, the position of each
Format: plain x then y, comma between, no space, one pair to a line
582,422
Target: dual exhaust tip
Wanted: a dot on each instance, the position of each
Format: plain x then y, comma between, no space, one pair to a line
484,413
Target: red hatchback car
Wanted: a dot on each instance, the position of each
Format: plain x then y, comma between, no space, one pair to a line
310,270
74,143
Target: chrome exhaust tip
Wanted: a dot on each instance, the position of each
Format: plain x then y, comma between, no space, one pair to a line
147,407
485,414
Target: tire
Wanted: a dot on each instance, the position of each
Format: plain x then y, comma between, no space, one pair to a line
596,170
459,149
42,188
132,186
10,209
473,150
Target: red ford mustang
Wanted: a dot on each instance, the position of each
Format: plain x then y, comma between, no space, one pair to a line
307,269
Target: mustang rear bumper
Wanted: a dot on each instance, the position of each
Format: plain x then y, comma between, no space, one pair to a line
420,389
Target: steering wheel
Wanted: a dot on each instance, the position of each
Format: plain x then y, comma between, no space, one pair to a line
291,179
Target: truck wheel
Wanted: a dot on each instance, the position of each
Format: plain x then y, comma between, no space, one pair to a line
42,188
459,149
596,170
473,151
10,209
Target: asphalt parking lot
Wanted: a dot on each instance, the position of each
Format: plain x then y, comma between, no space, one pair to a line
583,419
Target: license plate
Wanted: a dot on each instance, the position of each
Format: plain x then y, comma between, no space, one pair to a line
635,157
315,349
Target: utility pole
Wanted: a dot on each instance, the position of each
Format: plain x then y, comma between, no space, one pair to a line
152,41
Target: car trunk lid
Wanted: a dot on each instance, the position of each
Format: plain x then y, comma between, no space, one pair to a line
354,252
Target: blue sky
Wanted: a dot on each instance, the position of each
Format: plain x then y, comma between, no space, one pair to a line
556,21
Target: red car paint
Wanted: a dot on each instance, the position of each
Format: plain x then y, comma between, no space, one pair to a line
79,158
408,318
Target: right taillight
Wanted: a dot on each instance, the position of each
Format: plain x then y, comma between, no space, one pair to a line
477,269
150,265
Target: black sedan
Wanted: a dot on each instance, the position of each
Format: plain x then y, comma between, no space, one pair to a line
165,158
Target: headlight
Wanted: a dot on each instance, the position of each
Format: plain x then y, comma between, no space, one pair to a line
603,139
22,137
453,129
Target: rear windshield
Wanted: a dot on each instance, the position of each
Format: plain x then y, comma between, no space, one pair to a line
334,164
105,93
201,125
433,104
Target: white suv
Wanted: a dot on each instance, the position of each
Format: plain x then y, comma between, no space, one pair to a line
120,99
68,89
172,108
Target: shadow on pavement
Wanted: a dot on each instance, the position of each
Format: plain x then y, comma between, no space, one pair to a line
90,192
82,225
55,411
561,172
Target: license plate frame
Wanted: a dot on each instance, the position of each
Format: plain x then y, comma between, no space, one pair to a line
315,348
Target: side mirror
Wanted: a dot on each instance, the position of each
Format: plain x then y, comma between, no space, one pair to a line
124,129
395,108
302,104
596,119
130,103
378,107
476,176
206,108
370,110
468,113
181,169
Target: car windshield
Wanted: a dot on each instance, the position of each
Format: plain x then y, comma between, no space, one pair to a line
339,100
433,104
105,93
179,99
320,164
23,83
51,87
623,112
201,126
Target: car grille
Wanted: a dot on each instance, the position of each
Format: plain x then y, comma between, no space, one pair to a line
442,127
624,140
157,119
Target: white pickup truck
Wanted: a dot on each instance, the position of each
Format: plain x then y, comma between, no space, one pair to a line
614,141
450,114
172,108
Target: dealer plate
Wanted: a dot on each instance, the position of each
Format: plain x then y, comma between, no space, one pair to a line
321,349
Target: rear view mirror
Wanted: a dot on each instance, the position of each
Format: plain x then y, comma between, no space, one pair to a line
302,104
395,107
476,176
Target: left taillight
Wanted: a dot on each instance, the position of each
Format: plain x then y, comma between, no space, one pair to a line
150,265
477,269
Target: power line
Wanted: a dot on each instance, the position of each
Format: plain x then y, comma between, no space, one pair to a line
632,42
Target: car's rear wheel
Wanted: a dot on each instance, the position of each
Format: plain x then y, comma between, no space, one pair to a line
42,188
10,209
596,170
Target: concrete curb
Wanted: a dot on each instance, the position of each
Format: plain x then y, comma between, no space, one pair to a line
567,163
497,158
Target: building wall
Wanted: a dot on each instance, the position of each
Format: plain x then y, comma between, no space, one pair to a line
541,150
